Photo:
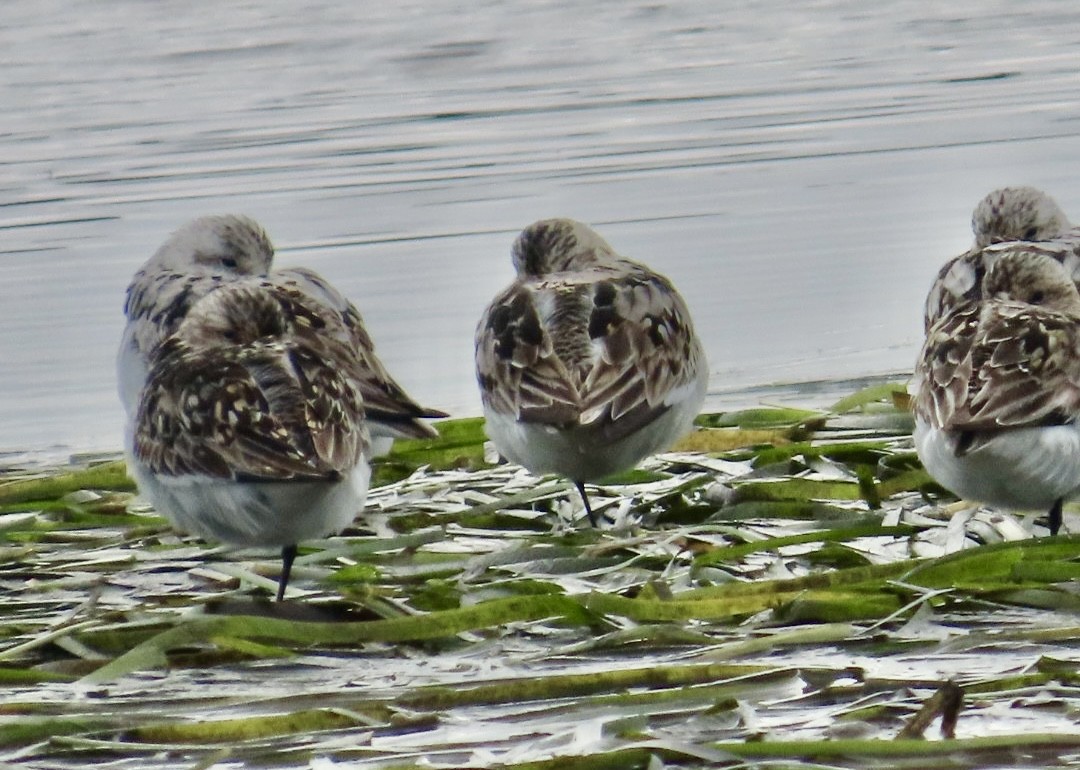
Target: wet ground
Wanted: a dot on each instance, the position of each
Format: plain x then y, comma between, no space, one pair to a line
792,598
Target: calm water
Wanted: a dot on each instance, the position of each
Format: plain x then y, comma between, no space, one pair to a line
799,169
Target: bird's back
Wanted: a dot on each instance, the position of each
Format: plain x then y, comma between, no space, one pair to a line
586,371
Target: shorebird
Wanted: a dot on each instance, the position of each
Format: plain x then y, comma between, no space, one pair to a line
996,391
250,428
254,397
1006,214
588,361
210,252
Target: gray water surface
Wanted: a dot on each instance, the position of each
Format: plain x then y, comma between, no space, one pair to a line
799,170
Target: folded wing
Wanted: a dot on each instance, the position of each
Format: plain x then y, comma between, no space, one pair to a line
612,349
252,384
999,365
385,400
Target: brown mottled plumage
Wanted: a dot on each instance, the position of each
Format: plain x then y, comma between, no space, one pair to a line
250,427
253,396
996,391
1006,215
588,361
211,252
250,387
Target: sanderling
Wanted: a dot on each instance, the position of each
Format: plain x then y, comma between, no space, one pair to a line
250,427
996,391
588,361
1006,214
210,252
254,397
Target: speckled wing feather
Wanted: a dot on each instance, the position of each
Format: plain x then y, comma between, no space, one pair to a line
158,301
942,374
517,368
602,347
959,281
996,365
386,402
647,342
264,411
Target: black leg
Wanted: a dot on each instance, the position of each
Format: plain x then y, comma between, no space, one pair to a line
1054,517
585,498
288,553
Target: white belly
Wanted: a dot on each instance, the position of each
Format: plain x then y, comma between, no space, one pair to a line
583,453
1023,469
255,513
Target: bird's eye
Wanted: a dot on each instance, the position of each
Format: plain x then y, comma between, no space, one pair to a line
1030,233
1037,298
229,262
